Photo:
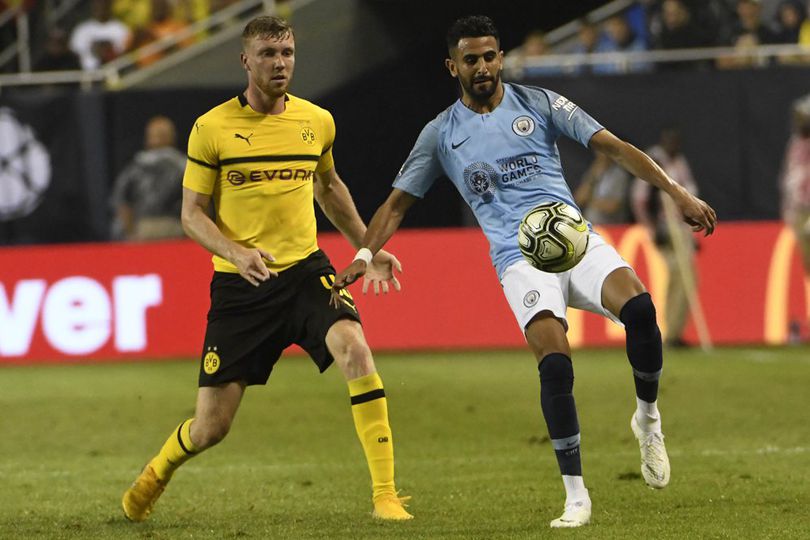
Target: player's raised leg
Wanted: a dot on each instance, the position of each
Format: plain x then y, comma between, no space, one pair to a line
216,407
348,346
546,337
625,297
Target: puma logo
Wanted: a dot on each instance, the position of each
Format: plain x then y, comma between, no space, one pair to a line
246,139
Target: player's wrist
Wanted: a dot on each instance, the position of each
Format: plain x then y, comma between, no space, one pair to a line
364,254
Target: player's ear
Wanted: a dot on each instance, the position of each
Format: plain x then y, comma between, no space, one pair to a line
243,59
451,67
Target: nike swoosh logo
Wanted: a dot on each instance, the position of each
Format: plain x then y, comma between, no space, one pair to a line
454,146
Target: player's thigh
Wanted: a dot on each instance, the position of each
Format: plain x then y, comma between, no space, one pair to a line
247,329
530,292
602,271
545,335
325,332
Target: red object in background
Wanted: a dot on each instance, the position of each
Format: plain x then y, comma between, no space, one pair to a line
112,301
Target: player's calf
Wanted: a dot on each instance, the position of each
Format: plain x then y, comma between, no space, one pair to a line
644,350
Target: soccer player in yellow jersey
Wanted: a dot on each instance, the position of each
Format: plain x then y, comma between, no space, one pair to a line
261,158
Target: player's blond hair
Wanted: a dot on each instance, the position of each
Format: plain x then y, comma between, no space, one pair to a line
267,27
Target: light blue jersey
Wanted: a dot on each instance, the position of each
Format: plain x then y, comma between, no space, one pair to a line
503,163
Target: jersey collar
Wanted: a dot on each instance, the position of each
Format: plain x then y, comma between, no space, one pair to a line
243,100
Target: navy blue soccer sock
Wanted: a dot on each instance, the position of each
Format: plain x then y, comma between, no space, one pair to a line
643,345
560,411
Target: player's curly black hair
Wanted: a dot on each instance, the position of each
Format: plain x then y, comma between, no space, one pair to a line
471,26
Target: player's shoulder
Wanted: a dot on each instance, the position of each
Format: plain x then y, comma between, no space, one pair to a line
536,96
440,121
308,106
220,113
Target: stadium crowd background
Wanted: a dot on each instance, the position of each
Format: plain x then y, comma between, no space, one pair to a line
87,77
579,44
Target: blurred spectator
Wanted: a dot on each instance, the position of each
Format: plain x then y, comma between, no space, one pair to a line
620,37
795,184
134,13
57,55
162,25
590,40
749,22
101,38
148,193
745,43
789,21
648,207
679,30
603,193
138,13
534,46
639,16
804,31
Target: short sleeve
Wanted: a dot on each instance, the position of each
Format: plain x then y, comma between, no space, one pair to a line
422,167
326,160
202,164
570,120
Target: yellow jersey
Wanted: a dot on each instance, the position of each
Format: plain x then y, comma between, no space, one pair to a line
259,170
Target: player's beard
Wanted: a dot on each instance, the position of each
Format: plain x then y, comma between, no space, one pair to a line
482,94
273,90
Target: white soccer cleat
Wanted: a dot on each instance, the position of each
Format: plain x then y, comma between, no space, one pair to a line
654,459
576,514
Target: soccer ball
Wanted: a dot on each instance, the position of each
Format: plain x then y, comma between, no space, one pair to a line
553,237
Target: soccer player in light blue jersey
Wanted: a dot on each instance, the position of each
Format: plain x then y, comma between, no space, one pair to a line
497,144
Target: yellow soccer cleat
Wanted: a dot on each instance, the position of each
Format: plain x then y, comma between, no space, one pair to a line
391,508
140,498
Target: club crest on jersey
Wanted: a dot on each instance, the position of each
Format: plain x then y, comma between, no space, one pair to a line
531,298
481,178
523,126
307,135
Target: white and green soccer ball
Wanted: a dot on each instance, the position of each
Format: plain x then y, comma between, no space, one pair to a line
553,237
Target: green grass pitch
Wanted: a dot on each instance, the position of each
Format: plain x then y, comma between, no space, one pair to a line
471,449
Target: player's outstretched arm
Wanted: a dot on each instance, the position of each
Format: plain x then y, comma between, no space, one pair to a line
199,227
334,198
695,211
385,222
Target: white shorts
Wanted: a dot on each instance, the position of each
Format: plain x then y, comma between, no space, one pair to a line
530,291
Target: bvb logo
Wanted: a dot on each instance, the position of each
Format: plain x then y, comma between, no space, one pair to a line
307,135
25,168
211,362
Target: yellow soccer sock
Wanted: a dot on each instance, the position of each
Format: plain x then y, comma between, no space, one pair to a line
177,449
370,412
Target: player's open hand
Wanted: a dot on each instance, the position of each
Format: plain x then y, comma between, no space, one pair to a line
380,273
251,264
699,215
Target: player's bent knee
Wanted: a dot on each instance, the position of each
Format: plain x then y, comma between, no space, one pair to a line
639,311
208,432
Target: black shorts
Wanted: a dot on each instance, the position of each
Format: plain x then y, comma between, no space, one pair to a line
249,327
